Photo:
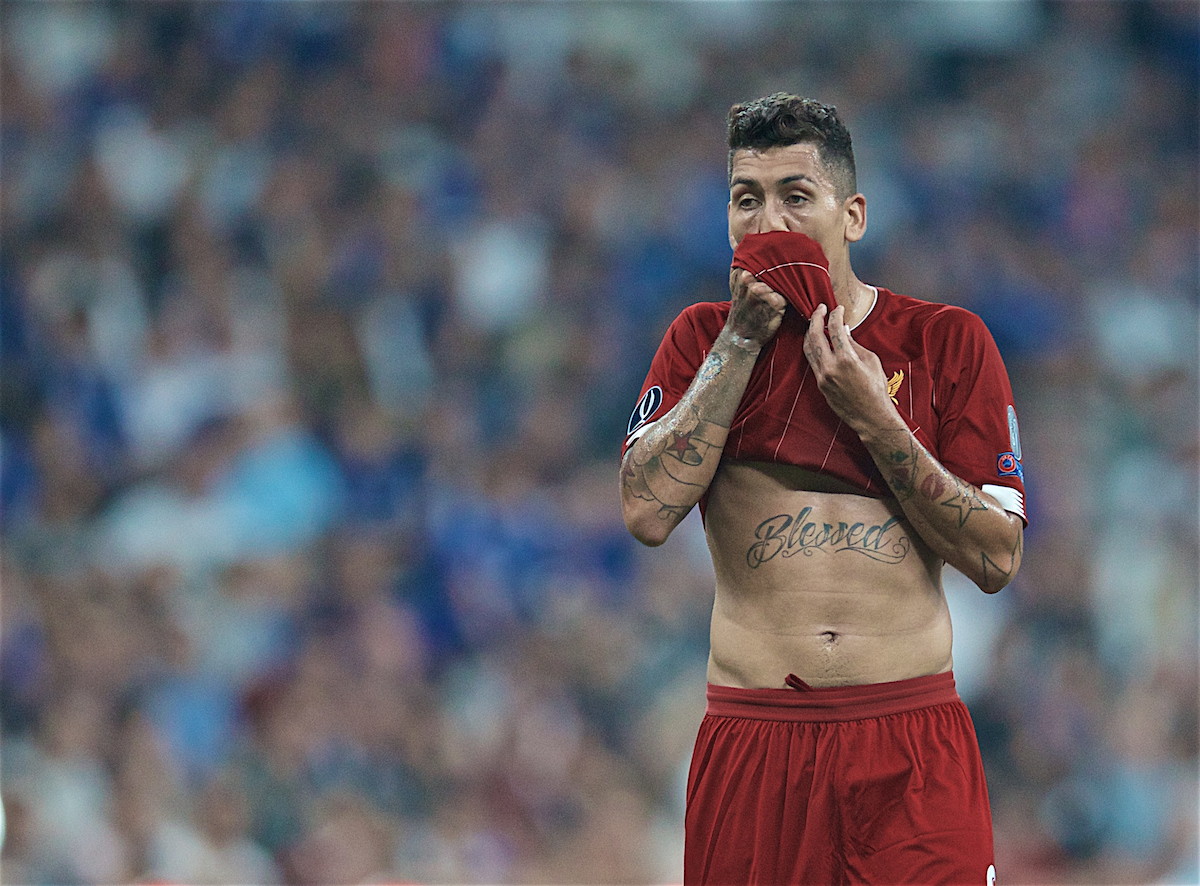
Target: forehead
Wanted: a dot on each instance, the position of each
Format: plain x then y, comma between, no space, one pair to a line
774,164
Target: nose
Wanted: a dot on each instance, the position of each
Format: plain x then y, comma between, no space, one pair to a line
772,218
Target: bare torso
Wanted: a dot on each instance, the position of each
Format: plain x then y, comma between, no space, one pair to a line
818,581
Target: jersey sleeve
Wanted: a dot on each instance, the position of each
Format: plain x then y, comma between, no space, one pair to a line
978,436
679,355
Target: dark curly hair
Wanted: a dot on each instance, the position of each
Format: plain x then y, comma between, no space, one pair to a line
782,119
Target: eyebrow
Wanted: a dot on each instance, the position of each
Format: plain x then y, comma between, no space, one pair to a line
791,179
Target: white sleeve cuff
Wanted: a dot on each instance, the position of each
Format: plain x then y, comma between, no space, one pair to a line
1010,499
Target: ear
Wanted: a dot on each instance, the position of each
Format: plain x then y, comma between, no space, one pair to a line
855,209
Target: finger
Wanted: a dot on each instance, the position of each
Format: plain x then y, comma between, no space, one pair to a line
737,281
766,294
839,332
816,346
744,284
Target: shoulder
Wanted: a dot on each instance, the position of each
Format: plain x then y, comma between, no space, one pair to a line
938,324
703,314
702,321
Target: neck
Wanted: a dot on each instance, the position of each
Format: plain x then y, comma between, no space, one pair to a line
856,296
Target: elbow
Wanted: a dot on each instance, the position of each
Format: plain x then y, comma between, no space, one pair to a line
984,571
647,528
994,576
998,563
648,522
988,581
992,585
652,541
648,519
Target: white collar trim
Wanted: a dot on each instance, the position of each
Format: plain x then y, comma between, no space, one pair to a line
874,301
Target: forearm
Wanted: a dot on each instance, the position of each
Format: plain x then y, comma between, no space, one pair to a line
669,468
960,523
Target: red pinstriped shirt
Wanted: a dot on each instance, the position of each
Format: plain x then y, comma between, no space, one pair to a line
944,373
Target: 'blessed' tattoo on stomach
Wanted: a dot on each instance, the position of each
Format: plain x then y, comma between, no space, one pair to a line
785,535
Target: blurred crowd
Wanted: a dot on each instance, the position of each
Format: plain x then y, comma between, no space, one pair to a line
320,326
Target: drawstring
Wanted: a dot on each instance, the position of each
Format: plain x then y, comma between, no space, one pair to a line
796,683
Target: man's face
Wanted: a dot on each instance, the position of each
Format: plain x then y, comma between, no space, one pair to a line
788,189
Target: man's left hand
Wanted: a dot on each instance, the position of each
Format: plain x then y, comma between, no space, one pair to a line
850,376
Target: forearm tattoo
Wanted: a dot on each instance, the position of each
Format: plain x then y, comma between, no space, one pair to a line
915,476
901,471
908,475
675,460
711,367
667,473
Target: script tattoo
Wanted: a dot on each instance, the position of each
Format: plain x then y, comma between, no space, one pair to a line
785,536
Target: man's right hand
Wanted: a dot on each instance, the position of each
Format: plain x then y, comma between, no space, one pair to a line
757,309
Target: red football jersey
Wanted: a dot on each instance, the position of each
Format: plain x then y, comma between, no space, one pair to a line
944,372
791,263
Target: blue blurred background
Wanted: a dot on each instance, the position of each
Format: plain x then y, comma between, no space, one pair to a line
320,326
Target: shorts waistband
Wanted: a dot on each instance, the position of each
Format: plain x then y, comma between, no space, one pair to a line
833,703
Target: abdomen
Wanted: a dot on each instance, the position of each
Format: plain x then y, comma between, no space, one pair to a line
817,581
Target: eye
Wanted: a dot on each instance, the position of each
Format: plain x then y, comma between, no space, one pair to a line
795,199
747,202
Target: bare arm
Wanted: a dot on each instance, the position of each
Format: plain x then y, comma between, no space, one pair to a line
962,524
668,469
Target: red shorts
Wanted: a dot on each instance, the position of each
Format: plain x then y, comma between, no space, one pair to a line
880,783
